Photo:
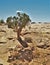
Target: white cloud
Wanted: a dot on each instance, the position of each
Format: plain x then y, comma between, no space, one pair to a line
19,11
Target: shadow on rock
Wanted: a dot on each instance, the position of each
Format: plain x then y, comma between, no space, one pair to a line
22,42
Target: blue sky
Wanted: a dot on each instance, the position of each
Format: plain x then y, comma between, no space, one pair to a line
38,10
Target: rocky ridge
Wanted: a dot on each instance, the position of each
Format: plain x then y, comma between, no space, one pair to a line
38,50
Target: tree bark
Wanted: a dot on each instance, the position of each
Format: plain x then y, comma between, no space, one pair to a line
22,42
18,32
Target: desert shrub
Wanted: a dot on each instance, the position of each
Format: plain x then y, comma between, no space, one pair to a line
2,22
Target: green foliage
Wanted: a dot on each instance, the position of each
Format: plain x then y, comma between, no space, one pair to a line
23,19
10,22
18,21
1,21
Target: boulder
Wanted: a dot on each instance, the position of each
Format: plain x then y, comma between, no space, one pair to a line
3,40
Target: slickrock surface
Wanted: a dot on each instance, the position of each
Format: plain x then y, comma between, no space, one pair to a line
37,52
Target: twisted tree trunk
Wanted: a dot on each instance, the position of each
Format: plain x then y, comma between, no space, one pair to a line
22,42
18,32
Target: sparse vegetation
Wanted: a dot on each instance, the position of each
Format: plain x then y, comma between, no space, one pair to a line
2,22
18,22
24,48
